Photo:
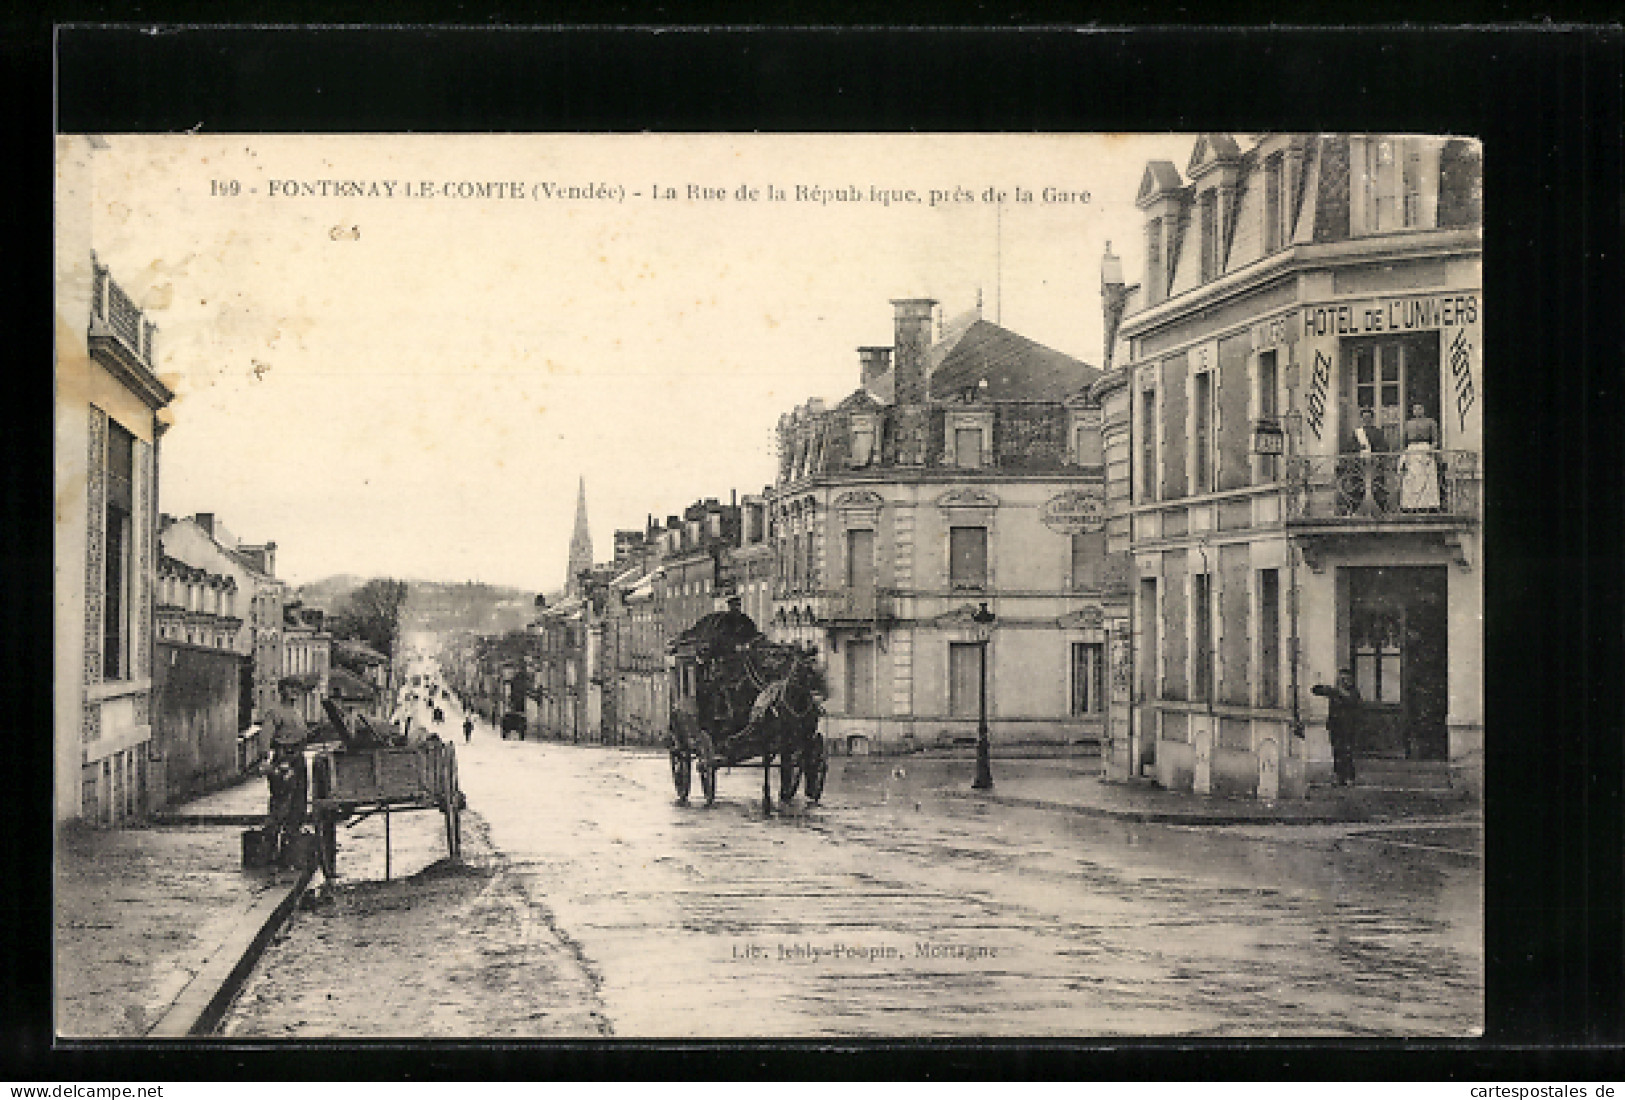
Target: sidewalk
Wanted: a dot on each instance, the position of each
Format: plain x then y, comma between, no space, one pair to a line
152,922
1140,801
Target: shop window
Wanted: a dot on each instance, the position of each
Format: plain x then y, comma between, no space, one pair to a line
1088,679
967,557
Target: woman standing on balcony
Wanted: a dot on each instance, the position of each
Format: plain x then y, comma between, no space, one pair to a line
1419,465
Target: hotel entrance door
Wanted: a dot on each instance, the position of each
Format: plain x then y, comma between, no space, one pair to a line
1397,649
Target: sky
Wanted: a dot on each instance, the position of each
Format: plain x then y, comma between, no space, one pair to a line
408,380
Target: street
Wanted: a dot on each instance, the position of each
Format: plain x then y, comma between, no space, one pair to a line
888,910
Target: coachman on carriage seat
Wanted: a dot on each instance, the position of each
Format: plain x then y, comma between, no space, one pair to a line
736,696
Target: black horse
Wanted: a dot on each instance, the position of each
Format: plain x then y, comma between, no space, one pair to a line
756,698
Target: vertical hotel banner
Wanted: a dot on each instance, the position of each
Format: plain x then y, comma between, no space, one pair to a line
1457,316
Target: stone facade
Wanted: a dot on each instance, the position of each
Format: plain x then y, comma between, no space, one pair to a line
894,521
1287,286
108,397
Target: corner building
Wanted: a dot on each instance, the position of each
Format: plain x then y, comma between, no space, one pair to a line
1292,284
966,473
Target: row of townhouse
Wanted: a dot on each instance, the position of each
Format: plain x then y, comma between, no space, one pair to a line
1293,442
169,636
1275,476
962,482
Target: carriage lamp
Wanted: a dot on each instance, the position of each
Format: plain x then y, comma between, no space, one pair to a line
983,619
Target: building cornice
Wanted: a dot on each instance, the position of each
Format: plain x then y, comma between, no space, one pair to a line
1409,245
110,350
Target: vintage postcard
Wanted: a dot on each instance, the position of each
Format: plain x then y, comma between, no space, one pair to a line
756,586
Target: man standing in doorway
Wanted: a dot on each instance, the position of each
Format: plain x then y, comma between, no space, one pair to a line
1342,714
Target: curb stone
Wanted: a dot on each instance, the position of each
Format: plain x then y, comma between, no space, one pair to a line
203,1003
1163,817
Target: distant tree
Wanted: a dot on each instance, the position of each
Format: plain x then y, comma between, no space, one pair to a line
372,614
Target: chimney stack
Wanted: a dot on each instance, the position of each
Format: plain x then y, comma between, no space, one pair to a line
913,327
875,362
1114,299
205,520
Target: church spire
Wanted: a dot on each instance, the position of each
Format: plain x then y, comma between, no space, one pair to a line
580,543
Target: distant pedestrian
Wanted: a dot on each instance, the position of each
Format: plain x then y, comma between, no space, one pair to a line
1342,718
468,730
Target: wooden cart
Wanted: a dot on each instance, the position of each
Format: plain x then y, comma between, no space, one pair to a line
349,785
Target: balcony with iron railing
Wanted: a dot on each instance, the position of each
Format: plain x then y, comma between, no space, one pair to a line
855,605
1410,488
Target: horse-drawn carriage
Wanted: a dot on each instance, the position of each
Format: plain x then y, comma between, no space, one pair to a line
735,696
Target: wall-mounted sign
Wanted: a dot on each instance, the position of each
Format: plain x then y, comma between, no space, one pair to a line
1075,512
1268,437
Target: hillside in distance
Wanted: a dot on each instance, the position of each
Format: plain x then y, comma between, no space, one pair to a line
436,606
439,606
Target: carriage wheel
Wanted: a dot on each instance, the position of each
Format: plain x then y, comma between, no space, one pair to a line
815,762
789,776
706,758
682,773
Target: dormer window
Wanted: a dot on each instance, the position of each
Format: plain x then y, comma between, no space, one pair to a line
1155,278
863,437
969,439
1274,226
1209,217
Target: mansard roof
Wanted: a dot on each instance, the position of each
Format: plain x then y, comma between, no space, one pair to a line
971,349
1014,367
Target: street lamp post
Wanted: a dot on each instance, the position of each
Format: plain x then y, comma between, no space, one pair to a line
984,764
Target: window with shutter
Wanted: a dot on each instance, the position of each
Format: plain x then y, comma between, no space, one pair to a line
1202,432
1088,559
1148,446
964,679
968,447
1088,680
967,557
860,679
1269,637
1202,636
860,559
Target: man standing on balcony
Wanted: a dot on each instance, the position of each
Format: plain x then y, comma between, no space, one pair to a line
1363,482
1342,716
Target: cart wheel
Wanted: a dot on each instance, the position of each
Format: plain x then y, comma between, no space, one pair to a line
682,773
815,762
789,776
706,760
